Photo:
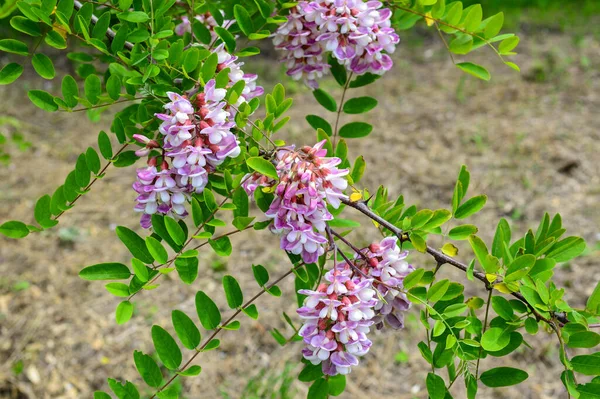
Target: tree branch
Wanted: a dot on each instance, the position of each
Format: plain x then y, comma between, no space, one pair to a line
442,258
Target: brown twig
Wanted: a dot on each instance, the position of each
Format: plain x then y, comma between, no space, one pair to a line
442,258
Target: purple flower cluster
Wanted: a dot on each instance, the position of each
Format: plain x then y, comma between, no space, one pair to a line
339,314
308,181
357,33
196,137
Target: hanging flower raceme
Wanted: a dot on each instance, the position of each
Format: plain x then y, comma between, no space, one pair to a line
196,136
308,181
357,33
339,314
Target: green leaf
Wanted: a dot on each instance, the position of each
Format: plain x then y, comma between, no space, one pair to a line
191,57
359,105
124,312
140,270
104,145
187,268
101,26
55,40
82,172
319,389
566,249
113,87
227,38
413,278
251,311
473,205
124,391
495,339
105,271
147,368
118,289
364,80
502,307
262,166
92,160
507,45
43,66
135,244
92,88
474,69
222,246
437,290
338,71
355,130
325,100
166,348
586,364
261,275
191,371
584,339
358,169
14,46
436,387
503,377
462,44
10,73
337,384
519,267
593,301
42,212
133,16
26,26
175,230
186,330
101,395
590,390
208,312
43,100
243,19
319,123
494,25
481,252
157,251
473,18
14,229
233,292
462,232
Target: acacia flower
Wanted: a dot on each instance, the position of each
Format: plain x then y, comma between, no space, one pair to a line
339,313
197,136
308,182
357,33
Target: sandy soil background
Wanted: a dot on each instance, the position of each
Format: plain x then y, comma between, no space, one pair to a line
531,142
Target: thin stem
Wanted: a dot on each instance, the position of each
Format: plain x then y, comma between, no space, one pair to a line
485,320
339,111
437,27
94,179
102,105
220,328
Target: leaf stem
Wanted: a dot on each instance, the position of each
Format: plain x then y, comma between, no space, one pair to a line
233,316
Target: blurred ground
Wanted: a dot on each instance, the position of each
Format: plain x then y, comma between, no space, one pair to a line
531,142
